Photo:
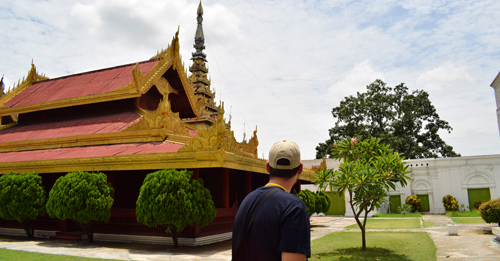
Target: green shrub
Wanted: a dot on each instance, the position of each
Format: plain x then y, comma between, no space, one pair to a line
171,199
450,203
323,202
405,209
82,197
309,199
416,204
22,198
477,204
490,211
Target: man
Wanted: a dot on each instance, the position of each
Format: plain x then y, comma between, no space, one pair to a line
280,229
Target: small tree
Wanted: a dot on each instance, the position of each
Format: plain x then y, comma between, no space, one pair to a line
323,202
490,211
82,197
323,178
171,199
369,169
22,198
415,202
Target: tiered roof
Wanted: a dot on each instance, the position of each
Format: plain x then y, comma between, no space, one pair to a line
147,115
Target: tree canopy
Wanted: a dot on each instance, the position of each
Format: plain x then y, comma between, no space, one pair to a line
367,171
408,122
171,199
82,197
22,198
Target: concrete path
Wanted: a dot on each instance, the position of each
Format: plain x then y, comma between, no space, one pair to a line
474,241
471,244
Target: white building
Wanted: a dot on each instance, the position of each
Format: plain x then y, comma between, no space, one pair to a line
496,85
468,179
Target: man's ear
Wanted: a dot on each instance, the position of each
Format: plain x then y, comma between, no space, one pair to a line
301,168
267,167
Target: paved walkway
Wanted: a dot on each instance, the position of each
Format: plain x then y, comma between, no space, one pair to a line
471,244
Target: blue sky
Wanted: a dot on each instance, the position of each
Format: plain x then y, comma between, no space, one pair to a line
282,65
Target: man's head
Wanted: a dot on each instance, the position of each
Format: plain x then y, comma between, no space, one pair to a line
284,159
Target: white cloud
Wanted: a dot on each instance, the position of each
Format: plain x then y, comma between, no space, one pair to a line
445,77
356,80
281,65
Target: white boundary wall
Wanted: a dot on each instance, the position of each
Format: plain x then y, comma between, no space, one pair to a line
442,176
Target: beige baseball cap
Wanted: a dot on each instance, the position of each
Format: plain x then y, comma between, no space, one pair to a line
284,149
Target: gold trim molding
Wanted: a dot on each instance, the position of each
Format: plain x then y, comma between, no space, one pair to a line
32,77
162,117
217,137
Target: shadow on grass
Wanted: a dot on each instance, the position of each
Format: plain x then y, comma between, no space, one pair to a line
356,254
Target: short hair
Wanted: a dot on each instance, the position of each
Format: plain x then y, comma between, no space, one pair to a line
283,173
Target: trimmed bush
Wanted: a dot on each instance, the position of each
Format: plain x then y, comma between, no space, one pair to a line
323,202
309,199
477,204
450,203
416,204
82,197
171,199
490,211
22,198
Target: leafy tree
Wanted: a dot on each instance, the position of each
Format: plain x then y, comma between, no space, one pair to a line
82,197
323,202
171,199
22,198
368,170
408,122
323,178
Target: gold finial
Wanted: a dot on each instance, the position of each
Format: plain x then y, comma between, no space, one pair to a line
200,9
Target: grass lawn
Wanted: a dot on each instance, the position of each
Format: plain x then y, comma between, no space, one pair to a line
468,220
428,224
473,213
387,246
388,224
398,215
6,254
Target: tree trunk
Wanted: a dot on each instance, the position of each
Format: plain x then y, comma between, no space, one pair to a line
88,229
363,239
29,227
174,236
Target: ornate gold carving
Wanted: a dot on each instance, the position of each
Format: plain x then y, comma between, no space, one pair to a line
162,117
33,77
251,147
218,137
6,126
164,87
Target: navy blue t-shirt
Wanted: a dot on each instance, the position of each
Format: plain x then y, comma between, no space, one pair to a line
281,225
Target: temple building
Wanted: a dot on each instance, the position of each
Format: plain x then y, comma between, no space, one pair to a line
128,121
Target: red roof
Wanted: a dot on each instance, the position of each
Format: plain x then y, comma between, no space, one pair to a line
71,127
90,151
78,85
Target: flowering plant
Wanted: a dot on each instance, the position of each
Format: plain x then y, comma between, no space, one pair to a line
490,211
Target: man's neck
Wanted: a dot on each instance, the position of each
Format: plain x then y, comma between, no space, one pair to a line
285,183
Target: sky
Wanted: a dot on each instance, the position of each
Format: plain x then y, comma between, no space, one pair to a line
281,66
